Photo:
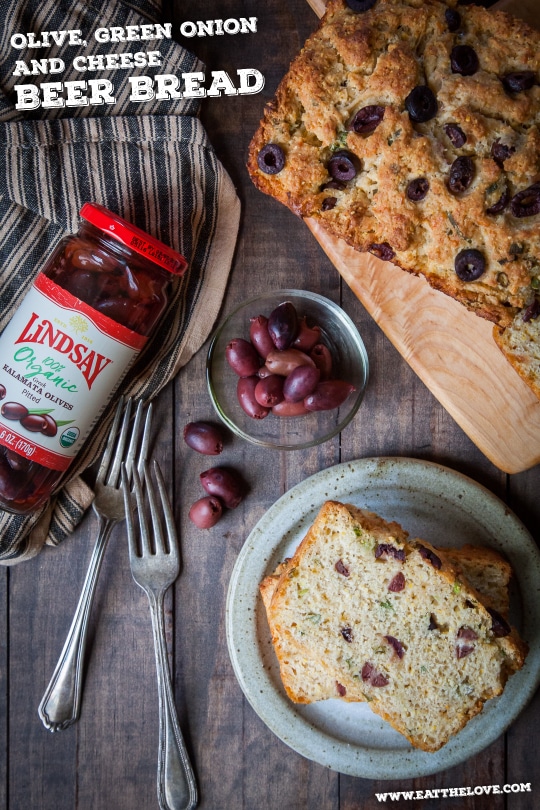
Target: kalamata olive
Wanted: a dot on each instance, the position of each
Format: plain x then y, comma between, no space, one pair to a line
225,484
242,357
335,184
204,437
417,189
464,60
500,204
322,357
121,310
328,395
531,312
469,264
526,203
421,104
245,392
13,410
33,422
456,135
10,482
271,159
501,152
264,372
453,19
461,174
17,462
518,81
259,335
3,391
283,325
367,119
290,409
307,336
284,362
360,5
343,165
206,512
382,250
50,428
269,391
328,203
301,382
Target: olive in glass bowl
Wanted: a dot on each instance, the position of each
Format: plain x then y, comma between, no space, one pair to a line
338,342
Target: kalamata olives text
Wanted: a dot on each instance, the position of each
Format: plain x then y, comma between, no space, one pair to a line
269,391
204,437
307,337
13,410
259,335
206,512
283,325
301,382
34,422
242,357
225,484
245,392
284,362
328,395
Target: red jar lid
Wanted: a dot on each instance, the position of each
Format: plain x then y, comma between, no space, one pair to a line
134,238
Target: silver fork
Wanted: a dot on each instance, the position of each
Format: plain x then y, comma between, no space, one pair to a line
155,566
60,705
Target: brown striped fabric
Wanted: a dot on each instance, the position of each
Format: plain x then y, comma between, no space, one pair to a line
150,162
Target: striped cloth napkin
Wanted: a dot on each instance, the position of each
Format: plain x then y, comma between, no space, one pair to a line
150,162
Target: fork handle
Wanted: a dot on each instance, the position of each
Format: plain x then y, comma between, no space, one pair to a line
176,785
60,705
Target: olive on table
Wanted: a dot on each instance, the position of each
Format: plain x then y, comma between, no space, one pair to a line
242,357
225,484
245,392
206,512
328,395
204,437
283,325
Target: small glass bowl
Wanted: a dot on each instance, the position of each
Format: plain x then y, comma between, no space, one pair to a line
338,332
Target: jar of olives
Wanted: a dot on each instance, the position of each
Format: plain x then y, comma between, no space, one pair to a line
79,329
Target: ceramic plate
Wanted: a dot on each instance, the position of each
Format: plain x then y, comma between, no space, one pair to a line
429,501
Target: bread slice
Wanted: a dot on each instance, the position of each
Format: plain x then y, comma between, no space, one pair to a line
362,613
520,344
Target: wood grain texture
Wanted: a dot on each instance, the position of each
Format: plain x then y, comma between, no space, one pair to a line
450,349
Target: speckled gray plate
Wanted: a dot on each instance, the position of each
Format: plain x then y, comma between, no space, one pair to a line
428,501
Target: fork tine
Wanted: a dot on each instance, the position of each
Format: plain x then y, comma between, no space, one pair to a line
105,461
130,455
114,473
167,513
154,512
145,443
146,546
132,538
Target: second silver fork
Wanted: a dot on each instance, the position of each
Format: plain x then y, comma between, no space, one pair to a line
60,705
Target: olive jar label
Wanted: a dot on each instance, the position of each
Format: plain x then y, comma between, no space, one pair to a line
60,362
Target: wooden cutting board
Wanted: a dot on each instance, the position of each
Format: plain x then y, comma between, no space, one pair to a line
451,349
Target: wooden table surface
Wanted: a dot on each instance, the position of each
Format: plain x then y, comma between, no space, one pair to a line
107,761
